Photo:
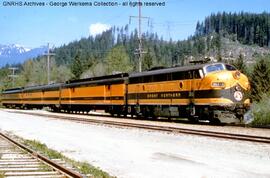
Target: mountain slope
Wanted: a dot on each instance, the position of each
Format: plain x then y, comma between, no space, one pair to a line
14,54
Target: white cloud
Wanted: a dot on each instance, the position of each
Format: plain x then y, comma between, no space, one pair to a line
98,28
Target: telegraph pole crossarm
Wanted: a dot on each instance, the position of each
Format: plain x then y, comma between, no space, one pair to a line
13,76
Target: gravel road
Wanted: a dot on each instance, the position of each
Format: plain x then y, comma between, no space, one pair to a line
135,153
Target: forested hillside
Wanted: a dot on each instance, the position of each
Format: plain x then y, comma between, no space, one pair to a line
95,50
222,36
218,36
247,28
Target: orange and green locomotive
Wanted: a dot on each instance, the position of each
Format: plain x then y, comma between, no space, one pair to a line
216,92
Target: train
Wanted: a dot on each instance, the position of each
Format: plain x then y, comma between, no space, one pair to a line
216,92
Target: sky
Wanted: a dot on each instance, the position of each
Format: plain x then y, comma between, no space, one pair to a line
33,26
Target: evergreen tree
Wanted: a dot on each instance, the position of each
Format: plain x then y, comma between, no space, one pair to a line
117,60
219,57
5,81
260,79
147,62
240,65
77,67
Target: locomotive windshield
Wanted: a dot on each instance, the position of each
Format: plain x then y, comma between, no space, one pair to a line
214,68
230,67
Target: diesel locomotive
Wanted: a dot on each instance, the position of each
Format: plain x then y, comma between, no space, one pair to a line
217,92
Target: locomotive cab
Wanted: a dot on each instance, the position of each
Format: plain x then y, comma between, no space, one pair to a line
227,93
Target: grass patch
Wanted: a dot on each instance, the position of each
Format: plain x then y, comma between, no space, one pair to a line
2,174
261,112
83,167
36,145
87,169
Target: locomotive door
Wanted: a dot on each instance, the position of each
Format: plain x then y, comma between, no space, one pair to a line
191,86
137,106
60,96
192,90
108,94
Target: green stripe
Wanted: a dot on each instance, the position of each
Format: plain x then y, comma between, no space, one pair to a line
181,94
64,99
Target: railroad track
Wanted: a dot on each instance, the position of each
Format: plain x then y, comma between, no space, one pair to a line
17,160
224,135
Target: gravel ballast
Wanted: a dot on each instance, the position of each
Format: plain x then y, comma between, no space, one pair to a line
135,153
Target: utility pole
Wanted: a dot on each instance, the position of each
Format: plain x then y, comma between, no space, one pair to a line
48,54
139,51
13,76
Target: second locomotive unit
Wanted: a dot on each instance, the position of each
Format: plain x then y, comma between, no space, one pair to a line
216,92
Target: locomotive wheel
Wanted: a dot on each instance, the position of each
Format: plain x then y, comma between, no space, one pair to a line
215,121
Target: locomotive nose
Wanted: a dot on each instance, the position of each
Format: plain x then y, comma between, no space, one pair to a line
241,79
236,75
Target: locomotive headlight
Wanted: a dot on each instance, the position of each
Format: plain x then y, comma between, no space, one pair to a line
218,84
238,95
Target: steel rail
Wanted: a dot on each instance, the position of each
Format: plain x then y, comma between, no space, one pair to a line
63,170
243,137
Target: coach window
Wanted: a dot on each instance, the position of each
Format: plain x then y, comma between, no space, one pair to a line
134,80
147,79
159,78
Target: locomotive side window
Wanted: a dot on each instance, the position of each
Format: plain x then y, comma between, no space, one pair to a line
181,75
188,75
178,75
201,73
230,67
184,75
196,74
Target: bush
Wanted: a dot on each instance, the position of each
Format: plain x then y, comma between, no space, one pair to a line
261,111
